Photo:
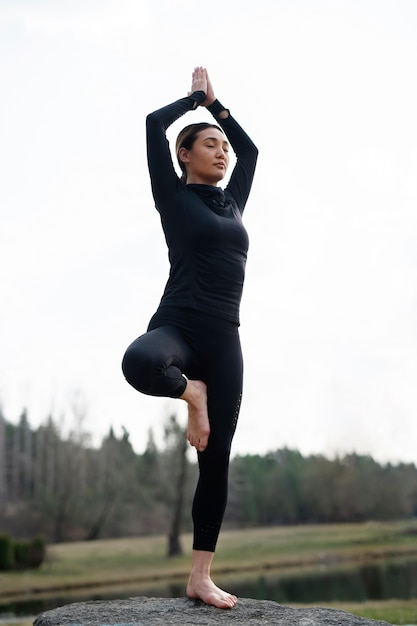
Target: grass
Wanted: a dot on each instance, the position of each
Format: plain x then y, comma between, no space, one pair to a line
134,561
16,622
398,612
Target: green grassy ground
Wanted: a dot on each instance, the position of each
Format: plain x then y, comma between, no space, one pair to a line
132,561
398,612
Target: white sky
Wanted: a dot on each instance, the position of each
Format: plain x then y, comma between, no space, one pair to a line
328,92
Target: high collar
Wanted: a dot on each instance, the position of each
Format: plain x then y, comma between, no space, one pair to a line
212,196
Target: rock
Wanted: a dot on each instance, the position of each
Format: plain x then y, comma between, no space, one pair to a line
183,612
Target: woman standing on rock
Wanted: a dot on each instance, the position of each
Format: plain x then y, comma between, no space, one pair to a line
191,349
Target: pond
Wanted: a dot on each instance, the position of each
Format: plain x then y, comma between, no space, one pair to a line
369,581
372,581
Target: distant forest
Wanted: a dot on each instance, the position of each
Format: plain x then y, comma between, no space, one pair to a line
65,489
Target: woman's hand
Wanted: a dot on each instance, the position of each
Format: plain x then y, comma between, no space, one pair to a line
201,82
209,93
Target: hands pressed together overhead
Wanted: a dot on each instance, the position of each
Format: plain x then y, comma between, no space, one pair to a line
200,81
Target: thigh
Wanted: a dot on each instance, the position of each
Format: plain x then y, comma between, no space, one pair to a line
162,344
155,361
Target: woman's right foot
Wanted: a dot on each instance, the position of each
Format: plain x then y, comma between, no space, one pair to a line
203,588
198,430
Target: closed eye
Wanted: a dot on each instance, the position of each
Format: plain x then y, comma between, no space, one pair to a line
225,147
213,144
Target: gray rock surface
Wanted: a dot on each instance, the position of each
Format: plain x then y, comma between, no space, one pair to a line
183,612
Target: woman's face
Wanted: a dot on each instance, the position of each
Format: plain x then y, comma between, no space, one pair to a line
208,159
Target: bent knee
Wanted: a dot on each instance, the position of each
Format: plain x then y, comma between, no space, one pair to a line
136,368
151,372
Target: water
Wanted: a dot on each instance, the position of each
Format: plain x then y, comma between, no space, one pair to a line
375,581
370,581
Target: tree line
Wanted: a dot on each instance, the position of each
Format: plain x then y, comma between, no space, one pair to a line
64,488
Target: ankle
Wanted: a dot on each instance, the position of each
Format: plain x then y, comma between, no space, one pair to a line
193,393
199,571
201,563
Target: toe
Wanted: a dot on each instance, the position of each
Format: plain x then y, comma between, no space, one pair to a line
201,445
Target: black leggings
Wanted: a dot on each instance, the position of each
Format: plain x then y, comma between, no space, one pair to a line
203,348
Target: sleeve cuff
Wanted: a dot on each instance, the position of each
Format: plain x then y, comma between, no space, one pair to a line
216,108
198,97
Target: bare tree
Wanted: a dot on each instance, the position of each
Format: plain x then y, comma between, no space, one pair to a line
26,455
3,463
15,465
175,437
174,544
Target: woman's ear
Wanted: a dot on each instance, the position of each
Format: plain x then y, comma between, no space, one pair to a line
183,155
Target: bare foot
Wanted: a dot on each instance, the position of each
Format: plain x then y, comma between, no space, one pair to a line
198,429
203,588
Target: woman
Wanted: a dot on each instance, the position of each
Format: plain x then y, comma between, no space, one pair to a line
192,349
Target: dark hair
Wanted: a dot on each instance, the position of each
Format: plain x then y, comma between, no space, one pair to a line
186,138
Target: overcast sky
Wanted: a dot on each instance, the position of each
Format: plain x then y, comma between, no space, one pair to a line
328,92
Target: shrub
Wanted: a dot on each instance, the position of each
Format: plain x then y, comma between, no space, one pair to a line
21,554
6,553
21,551
37,552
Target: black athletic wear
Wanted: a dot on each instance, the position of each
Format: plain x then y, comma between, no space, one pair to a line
203,347
195,329
203,228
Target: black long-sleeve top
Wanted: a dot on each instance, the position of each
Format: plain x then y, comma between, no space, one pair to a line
203,227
